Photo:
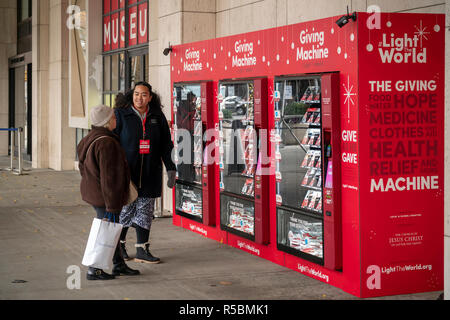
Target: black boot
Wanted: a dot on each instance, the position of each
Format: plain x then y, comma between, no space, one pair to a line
122,268
98,274
143,254
123,249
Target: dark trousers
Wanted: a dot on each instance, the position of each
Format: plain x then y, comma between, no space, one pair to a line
101,213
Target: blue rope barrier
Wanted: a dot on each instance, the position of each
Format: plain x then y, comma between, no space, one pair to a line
10,129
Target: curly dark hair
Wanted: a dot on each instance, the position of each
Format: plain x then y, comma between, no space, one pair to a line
123,100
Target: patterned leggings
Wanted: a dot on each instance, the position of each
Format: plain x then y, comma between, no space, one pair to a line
139,212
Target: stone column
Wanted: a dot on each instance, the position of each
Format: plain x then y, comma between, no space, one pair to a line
8,48
40,25
61,138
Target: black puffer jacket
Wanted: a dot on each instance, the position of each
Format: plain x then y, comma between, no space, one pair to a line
146,170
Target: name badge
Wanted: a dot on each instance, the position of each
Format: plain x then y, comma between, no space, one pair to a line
144,146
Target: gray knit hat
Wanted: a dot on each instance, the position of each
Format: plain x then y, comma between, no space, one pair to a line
100,115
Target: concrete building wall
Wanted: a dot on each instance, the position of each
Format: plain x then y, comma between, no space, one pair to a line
8,48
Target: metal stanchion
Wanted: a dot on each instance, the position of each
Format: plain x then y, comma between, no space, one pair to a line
19,138
20,169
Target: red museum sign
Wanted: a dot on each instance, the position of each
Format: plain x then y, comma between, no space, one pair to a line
115,26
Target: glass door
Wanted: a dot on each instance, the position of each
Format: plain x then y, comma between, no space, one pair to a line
299,167
238,157
138,66
188,130
20,107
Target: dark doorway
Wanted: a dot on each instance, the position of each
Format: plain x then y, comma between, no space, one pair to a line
20,106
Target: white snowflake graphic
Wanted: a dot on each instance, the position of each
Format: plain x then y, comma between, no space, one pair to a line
272,96
421,33
348,95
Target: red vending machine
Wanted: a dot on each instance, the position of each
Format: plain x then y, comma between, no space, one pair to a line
188,131
195,192
328,148
304,167
241,192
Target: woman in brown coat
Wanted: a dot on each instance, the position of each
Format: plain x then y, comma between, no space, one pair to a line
105,179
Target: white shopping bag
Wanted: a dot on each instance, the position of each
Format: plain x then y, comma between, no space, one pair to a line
101,244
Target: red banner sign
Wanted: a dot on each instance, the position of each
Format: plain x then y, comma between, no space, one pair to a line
115,26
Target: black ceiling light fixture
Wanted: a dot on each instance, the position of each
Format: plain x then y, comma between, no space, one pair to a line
342,21
167,50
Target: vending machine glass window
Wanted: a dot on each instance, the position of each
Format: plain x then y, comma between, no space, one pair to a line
188,132
299,167
238,156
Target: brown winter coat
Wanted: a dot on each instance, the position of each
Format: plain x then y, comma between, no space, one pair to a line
105,177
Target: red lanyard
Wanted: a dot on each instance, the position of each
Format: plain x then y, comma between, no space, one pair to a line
143,123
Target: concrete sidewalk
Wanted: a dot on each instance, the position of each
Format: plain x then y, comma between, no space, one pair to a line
44,226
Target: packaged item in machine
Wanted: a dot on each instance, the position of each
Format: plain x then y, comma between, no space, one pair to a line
279,199
311,115
311,95
309,176
314,136
319,205
317,159
319,181
307,116
307,160
317,119
307,199
305,95
312,202
314,117
315,178
317,95
278,176
247,185
318,141
251,170
310,163
307,137
250,190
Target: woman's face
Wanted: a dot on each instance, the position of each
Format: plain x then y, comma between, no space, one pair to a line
141,98
112,122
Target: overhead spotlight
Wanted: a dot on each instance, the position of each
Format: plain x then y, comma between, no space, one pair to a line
342,21
167,50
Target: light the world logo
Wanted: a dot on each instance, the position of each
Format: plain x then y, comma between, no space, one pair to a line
403,49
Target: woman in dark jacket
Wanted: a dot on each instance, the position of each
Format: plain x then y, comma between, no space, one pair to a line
145,136
105,179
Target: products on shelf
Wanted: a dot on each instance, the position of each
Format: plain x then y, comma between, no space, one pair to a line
311,95
190,202
312,159
306,236
248,188
241,218
312,200
311,115
311,138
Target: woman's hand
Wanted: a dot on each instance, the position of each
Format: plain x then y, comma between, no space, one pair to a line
171,176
